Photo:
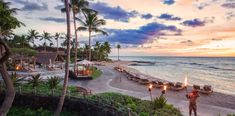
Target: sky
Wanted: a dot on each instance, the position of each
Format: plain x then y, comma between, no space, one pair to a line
145,27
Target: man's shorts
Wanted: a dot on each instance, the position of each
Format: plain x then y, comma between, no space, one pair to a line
193,106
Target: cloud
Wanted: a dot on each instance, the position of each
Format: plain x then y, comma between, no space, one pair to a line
141,35
53,19
147,16
201,6
216,39
230,15
166,16
168,2
114,13
229,5
32,5
194,23
188,42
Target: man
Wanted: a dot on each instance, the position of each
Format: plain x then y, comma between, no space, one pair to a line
192,101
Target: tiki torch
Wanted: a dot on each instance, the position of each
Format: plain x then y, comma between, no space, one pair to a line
164,89
150,89
186,83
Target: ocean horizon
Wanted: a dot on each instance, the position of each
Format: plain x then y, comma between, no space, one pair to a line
219,72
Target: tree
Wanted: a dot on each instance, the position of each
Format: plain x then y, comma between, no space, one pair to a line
20,41
118,47
57,37
45,36
97,50
32,35
7,23
77,6
107,49
91,24
65,84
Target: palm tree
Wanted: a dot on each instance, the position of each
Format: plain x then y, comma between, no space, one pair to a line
97,49
45,36
65,84
107,49
32,35
57,37
118,47
77,6
91,24
8,23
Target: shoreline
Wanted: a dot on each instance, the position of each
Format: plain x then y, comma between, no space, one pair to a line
215,99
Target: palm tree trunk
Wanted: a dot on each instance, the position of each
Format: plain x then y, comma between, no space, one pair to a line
89,45
118,54
76,44
45,45
10,93
57,50
62,97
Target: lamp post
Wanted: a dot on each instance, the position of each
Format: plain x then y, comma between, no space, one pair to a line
150,89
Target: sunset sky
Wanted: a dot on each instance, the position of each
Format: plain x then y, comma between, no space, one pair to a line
146,27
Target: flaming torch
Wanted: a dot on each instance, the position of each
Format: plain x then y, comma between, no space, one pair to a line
150,89
17,67
164,89
186,83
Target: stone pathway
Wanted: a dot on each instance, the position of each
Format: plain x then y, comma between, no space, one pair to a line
102,84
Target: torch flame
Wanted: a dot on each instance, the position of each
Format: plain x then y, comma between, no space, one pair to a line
150,86
185,81
17,67
164,88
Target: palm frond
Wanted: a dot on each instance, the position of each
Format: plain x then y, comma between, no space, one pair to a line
99,31
81,29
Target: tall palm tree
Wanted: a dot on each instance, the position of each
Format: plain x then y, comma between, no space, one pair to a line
57,37
61,101
77,7
32,35
8,23
118,47
91,24
45,36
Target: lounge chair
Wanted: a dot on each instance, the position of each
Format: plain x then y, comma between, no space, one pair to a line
144,81
135,78
176,87
207,89
197,87
157,84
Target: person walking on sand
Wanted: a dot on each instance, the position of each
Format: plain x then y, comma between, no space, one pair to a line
193,101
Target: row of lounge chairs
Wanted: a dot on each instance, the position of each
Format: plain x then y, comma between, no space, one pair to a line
206,89
178,86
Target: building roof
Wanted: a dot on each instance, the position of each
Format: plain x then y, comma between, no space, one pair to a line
48,57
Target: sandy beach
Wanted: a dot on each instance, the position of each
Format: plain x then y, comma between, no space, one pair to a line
208,105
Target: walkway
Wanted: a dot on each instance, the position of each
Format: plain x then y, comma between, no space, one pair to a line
102,84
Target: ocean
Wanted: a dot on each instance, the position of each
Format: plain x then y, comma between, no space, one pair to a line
219,72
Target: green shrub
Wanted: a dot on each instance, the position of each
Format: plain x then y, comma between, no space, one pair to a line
53,82
22,111
35,80
15,80
159,102
144,114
